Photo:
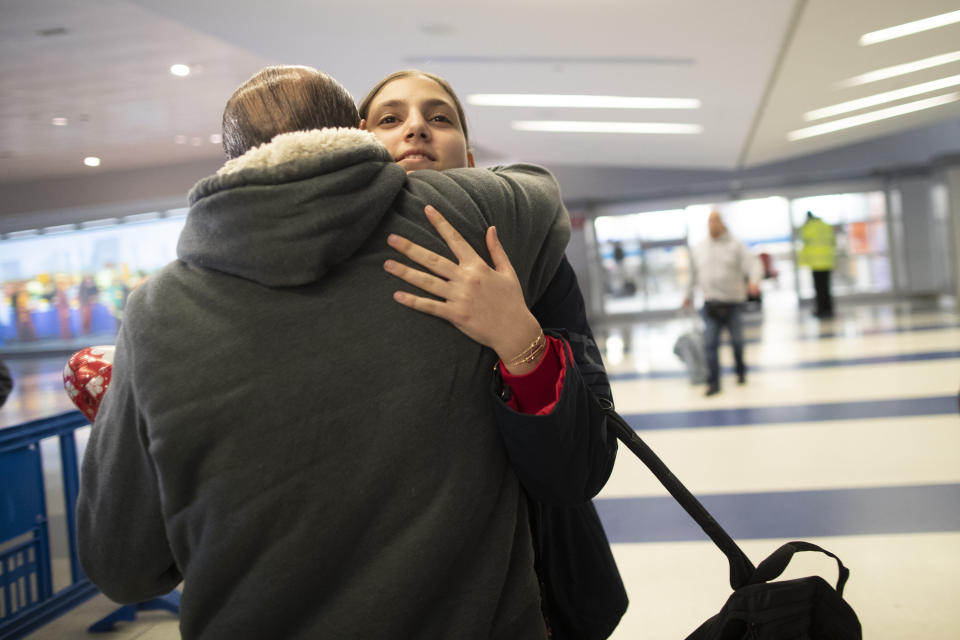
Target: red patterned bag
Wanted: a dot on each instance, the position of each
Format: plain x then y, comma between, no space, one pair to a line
86,377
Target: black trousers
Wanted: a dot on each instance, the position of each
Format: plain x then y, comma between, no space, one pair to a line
821,284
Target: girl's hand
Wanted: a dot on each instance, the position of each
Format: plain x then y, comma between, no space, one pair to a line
484,303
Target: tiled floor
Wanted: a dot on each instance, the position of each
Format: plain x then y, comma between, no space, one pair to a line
846,434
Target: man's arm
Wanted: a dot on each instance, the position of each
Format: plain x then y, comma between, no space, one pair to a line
522,201
692,280
563,456
120,530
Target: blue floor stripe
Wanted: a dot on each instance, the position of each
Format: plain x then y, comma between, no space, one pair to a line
753,320
846,332
816,364
935,405
788,515
852,362
879,331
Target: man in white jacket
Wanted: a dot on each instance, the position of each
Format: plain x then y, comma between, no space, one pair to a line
725,272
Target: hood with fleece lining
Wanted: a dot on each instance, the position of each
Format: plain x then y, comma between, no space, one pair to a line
286,212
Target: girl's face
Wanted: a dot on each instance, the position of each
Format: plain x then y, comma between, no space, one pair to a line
417,122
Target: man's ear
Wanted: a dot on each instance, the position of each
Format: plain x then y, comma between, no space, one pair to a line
363,124
469,155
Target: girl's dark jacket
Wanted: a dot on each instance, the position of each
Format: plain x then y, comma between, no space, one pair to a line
563,460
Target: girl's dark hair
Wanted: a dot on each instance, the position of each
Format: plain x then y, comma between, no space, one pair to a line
281,99
410,73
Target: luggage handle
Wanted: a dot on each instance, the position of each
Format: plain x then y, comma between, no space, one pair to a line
742,571
777,561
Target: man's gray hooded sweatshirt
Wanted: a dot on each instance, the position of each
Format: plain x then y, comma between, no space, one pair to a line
311,458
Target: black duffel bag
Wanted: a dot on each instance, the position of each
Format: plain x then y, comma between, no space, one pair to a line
758,609
800,608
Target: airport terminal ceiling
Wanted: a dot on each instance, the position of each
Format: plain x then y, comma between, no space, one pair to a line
93,79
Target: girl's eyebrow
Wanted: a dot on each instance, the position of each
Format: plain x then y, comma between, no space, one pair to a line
396,102
438,102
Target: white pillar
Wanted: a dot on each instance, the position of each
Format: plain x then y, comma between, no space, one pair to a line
950,176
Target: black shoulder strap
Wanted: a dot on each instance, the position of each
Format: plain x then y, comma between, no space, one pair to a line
741,569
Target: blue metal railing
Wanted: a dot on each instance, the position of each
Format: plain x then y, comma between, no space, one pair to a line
27,599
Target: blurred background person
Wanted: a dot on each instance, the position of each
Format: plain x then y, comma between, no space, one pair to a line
23,313
818,253
726,274
88,293
6,383
61,301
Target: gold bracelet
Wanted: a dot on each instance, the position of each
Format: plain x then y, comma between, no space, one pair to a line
530,349
533,357
531,353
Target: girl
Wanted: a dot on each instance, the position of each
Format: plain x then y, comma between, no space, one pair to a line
550,394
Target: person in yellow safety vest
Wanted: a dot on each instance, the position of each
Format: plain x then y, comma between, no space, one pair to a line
818,253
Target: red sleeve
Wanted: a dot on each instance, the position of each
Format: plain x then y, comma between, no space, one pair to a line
537,392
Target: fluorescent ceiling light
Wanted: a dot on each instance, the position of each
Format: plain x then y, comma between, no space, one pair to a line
59,228
880,98
26,233
180,70
909,28
571,126
873,116
590,102
92,161
59,122
901,69
102,222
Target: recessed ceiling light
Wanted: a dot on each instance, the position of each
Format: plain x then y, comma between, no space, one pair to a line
901,69
59,122
579,101
880,98
52,31
180,70
909,28
181,139
873,116
572,126
216,138
92,161
438,28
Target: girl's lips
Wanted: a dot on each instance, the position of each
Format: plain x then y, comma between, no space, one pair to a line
415,154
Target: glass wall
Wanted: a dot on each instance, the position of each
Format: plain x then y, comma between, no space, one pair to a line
645,256
70,284
644,260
